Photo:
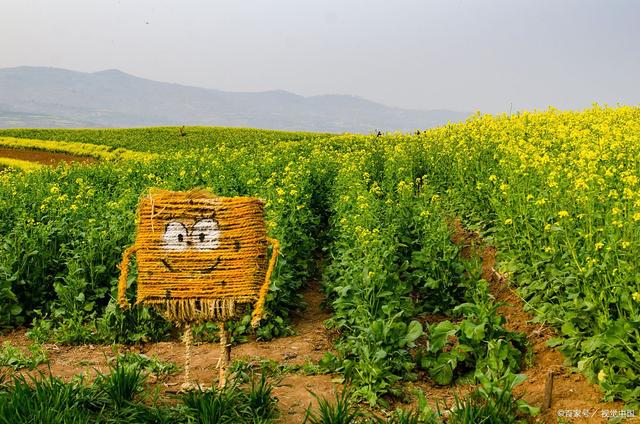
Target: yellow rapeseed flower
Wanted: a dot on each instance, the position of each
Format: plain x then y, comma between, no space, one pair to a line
602,375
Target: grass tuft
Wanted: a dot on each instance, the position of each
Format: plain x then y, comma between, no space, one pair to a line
340,410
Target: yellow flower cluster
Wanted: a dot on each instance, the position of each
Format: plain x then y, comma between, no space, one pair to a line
76,148
19,164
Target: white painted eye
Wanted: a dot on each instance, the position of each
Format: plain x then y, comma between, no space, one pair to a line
205,235
175,236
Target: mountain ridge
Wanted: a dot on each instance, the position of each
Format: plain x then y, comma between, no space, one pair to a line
113,98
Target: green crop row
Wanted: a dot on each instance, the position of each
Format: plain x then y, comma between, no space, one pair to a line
165,139
558,193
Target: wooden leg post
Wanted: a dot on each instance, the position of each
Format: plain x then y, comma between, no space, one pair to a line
187,338
225,355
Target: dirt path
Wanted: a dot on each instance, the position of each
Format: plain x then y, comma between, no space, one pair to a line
571,391
43,157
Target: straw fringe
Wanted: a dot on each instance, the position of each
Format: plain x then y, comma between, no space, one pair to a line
196,310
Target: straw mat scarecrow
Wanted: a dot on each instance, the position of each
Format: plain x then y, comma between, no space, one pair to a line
200,258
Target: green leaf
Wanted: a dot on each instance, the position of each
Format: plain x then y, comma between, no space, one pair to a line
439,334
568,329
619,358
525,408
554,341
380,354
472,331
431,283
442,370
414,331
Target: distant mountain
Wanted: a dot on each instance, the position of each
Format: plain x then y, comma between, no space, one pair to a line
50,97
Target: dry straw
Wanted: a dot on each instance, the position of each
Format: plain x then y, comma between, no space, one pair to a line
200,256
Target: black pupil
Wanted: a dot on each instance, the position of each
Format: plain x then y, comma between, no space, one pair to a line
180,238
201,237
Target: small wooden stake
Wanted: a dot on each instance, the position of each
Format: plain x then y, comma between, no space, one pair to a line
225,355
548,390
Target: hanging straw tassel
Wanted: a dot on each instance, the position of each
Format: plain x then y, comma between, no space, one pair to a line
195,310
258,312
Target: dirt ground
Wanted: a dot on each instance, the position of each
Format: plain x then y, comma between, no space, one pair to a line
293,392
571,391
43,157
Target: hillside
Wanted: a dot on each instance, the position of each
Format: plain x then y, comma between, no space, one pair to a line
50,97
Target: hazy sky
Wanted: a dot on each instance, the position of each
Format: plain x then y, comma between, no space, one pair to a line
461,55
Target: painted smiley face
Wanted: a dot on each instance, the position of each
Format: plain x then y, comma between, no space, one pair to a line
195,245
203,235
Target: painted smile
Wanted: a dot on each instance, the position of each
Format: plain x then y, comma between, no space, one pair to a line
207,270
